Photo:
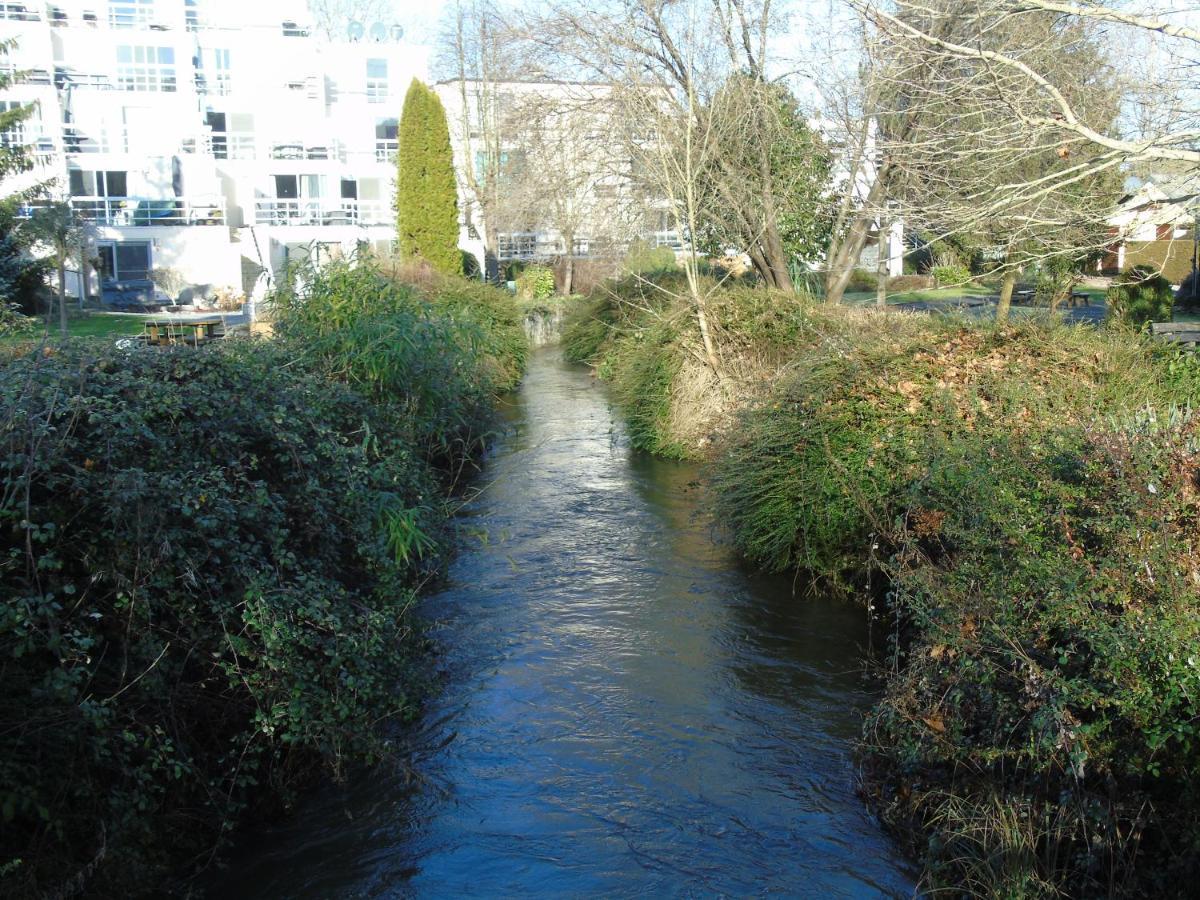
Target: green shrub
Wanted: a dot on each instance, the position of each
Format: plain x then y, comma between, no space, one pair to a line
536,283
14,323
951,275
441,354
862,280
1140,296
810,473
646,260
1042,721
903,283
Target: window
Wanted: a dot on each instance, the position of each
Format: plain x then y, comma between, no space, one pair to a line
386,139
291,29
145,68
16,135
287,187
349,189
517,246
124,261
218,77
191,14
98,184
57,16
377,80
131,13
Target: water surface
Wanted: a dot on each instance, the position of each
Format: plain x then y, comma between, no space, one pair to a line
624,711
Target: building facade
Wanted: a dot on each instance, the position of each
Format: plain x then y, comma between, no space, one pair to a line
216,138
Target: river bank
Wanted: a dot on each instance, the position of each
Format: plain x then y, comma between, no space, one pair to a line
622,710
1018,503
211,558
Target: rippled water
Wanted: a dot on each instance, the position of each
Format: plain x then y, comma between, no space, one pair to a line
625,711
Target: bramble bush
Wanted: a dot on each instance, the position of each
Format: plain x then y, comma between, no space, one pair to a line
210,555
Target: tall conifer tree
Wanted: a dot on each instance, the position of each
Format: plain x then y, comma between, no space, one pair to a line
426,190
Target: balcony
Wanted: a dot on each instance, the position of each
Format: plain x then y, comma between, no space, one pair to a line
18,12
143,211
273,211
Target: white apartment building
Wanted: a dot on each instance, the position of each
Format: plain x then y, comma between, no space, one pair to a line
218,138
567,168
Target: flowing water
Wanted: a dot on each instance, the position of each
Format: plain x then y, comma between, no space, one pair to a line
625,711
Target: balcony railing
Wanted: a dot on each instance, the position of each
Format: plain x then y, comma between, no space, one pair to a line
272,211
136,211
18,12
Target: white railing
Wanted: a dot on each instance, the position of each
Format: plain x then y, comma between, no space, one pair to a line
116,141
667,239
138,211
273,211
18,12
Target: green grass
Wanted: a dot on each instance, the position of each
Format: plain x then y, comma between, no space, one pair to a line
105,324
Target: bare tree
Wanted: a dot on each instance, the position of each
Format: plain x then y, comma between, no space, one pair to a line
1027,131
957,144
332,18
699,55
574,178
478,55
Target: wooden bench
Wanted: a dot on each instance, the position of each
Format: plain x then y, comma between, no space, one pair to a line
1185,333
164,332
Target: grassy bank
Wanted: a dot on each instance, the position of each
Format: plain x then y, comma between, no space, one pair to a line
1018,506
210,556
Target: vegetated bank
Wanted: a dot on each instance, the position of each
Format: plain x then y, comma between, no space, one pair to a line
1020,506
210,556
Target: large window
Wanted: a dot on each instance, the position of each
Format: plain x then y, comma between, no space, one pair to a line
146,68
191,14
377,81
131,13
124,261
98,184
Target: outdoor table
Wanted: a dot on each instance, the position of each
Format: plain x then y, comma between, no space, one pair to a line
174,331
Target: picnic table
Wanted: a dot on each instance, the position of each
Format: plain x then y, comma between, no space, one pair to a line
162,332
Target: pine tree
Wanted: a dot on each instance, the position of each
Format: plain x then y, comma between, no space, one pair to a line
426,190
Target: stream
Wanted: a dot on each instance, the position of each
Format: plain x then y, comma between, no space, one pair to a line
624,711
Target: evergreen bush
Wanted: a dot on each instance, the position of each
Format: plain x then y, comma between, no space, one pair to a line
426,187
1140,296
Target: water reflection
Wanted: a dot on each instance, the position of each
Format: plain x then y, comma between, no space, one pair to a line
625,711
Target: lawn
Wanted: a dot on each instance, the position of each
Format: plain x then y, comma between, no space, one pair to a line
113,325
104,324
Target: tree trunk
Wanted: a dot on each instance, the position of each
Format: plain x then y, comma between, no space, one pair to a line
62,295
777,257
1006,292
83,273
881,266
569,275
844,253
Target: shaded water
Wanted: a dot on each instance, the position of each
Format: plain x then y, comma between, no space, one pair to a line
625,711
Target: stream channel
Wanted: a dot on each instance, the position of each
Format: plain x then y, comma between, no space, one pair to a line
624,710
